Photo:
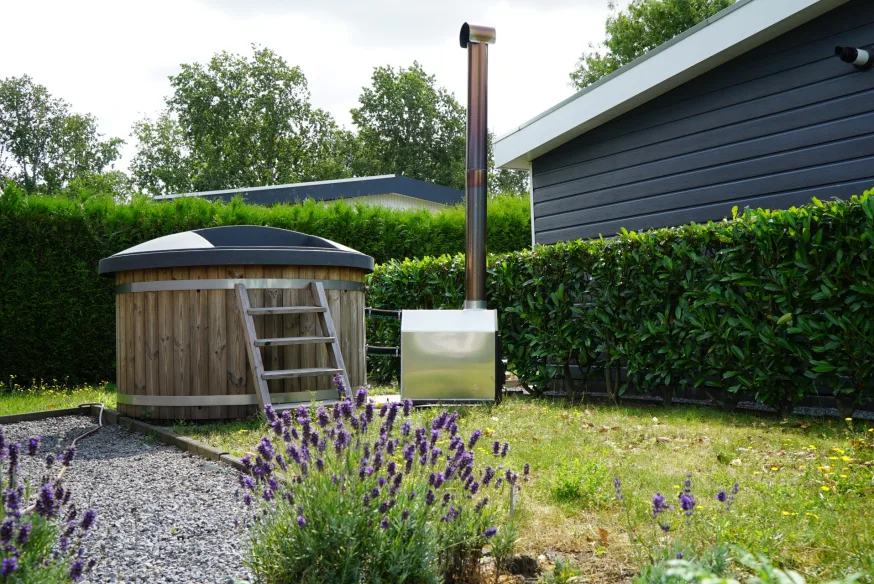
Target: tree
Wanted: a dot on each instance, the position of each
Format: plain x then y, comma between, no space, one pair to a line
237,122
504,181
409,126
42,144
643,26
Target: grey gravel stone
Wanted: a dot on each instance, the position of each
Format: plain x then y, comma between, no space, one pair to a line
162,514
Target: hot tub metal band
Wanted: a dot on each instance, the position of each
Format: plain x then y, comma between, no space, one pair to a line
228,284
242,399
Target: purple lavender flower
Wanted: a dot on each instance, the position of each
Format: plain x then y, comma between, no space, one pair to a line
50,460
270,413
23,534
496,448
280,462
482,503
76,569
374,492
490,532
247,462
526,469
6,529
247,499
320,464
405,514
286,418
665,527
722,496
384,524
380,481
659,505
408,407
13,448
360,397
391,468
429,497
383,410
9,565
405,428
68,455
687,503
366,500
488,475
33,445
446,496
88,518
435,434
368,412
473,439
679,555
322,417
301,521
265,448
505,449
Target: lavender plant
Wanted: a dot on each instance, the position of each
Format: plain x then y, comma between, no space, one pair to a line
357,494
41,531
672,537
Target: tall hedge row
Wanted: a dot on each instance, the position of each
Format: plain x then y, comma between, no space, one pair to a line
771,303
57,316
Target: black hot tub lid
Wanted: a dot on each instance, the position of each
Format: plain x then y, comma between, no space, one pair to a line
235,245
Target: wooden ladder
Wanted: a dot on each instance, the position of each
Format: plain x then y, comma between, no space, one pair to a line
254,344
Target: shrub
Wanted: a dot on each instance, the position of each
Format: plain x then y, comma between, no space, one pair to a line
770,303
40,529
359,496
58,315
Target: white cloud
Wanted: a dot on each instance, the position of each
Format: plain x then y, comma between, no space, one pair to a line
112,59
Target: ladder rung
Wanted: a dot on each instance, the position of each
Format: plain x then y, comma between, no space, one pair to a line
310,372
293,341
285,310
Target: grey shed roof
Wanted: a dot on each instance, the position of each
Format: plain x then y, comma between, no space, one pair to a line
233,246
329,190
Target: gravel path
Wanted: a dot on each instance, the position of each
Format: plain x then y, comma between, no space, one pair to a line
163,515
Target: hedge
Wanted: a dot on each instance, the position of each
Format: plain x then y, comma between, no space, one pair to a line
772,303
57,317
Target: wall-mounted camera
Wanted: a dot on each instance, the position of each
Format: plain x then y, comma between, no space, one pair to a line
860,58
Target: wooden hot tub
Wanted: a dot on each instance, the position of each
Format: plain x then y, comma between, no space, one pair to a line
180,350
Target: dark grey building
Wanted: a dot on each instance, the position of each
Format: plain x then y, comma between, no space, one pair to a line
392,191
751,108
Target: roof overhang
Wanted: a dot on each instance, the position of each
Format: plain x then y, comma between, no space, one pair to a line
726,35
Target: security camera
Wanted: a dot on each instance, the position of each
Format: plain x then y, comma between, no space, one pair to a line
860,58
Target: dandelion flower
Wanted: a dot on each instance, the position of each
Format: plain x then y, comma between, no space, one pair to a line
825,488
846,458
774,468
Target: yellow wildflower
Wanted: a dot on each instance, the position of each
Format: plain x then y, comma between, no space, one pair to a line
809,514
774,468
846,458
832,457
848,419
824,468
825,488
843,476
839,450
812,447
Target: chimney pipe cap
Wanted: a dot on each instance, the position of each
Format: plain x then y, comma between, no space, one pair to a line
473,33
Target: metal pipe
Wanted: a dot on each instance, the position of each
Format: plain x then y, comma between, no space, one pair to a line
476,40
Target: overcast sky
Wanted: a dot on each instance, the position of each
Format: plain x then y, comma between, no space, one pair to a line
112,58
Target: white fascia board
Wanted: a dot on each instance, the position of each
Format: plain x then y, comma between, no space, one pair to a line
726,35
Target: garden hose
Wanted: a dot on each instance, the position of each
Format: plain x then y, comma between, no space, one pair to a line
76,440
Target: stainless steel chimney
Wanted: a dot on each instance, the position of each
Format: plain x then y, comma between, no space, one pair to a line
454,355
476,39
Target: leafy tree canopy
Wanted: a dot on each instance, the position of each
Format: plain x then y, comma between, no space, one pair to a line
641,27
408,125
43,145
238,122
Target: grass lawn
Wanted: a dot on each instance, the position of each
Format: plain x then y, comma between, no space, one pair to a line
806,494
16,400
